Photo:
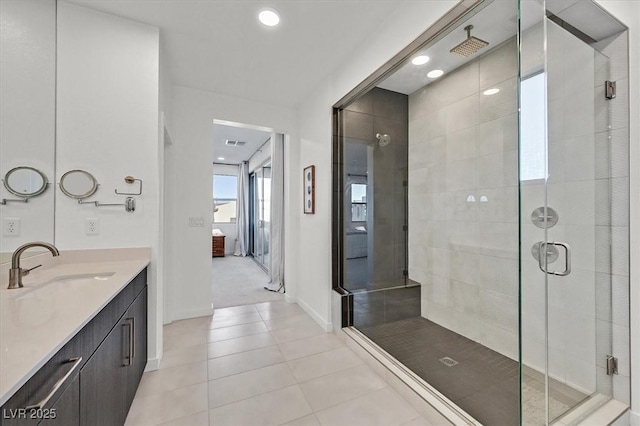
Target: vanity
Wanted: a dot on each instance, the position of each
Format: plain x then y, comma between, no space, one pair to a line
73,343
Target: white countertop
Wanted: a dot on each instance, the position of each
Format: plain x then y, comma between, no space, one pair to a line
39,319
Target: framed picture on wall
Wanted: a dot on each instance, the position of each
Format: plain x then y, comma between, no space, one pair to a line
309,190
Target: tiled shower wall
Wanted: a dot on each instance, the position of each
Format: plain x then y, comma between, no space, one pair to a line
380,111
463,200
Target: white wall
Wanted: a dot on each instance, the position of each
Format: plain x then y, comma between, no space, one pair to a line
27,111
628,12
314,237
189,263
107,124
259,157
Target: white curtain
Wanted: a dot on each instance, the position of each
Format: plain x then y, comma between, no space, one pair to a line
277,213
242,211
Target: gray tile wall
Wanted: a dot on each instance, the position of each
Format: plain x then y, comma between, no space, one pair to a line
380,111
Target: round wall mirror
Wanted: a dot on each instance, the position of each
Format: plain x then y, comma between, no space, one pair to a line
78,184
25,181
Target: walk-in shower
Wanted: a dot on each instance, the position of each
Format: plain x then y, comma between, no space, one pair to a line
485,247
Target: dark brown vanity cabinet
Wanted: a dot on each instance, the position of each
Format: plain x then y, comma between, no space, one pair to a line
109,380
92,380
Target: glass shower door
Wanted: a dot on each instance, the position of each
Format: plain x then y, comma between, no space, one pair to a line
565,202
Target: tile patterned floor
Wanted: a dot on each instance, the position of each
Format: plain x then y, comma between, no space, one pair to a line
264,364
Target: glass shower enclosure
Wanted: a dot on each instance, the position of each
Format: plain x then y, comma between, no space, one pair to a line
481,201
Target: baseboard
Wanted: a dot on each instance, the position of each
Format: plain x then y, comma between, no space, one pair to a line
195,313
152,364
289,299
326,326
635,418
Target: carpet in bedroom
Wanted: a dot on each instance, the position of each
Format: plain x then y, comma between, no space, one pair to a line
239,281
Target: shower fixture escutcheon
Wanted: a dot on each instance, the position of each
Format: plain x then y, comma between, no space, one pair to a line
383,139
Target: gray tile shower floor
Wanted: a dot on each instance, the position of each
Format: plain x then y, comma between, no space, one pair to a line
484,383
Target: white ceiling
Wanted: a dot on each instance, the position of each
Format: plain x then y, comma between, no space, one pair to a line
236,154
220,46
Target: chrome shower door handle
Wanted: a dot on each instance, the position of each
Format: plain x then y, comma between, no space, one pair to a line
567,258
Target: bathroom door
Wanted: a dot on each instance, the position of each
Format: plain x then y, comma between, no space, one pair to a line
566,204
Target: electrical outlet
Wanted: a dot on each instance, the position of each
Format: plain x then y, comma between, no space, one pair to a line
11,227
92,226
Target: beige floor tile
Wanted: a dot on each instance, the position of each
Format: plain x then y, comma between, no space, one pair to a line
290,321
181,356
310,420
288,310
155,409
310,346
273,408
244,361
234,320
383,408
159,381
297,332
186,326
265,306
240,344
418,422
249,384
235,310
336,388
198,419
234,331
323,363
178,341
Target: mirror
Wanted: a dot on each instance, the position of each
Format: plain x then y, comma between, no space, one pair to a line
27,120
25,181
78,184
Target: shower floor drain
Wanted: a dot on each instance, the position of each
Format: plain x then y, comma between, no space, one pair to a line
449,362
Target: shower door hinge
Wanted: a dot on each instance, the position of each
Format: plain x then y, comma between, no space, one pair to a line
405,228
612,365
405,273
609,89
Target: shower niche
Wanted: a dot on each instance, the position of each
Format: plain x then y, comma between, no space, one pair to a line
440,158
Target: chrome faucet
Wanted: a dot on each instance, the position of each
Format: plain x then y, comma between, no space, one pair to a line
16,272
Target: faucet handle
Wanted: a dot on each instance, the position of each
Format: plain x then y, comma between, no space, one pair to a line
25,272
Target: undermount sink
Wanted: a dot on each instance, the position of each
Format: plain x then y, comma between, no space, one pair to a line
59,283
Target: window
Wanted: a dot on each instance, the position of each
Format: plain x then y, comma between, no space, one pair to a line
225,197
358,202
533,148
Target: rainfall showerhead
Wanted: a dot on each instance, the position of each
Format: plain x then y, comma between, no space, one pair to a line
470,46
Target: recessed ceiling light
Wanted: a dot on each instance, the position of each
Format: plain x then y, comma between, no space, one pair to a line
220,158
490,92
435,73
420,60
269,17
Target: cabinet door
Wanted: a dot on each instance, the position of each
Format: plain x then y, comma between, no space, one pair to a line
137,315
66,410
103,380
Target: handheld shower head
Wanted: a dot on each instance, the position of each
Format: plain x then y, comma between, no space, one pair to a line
383,139
470,46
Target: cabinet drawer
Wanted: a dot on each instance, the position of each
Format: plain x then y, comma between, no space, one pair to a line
48,384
